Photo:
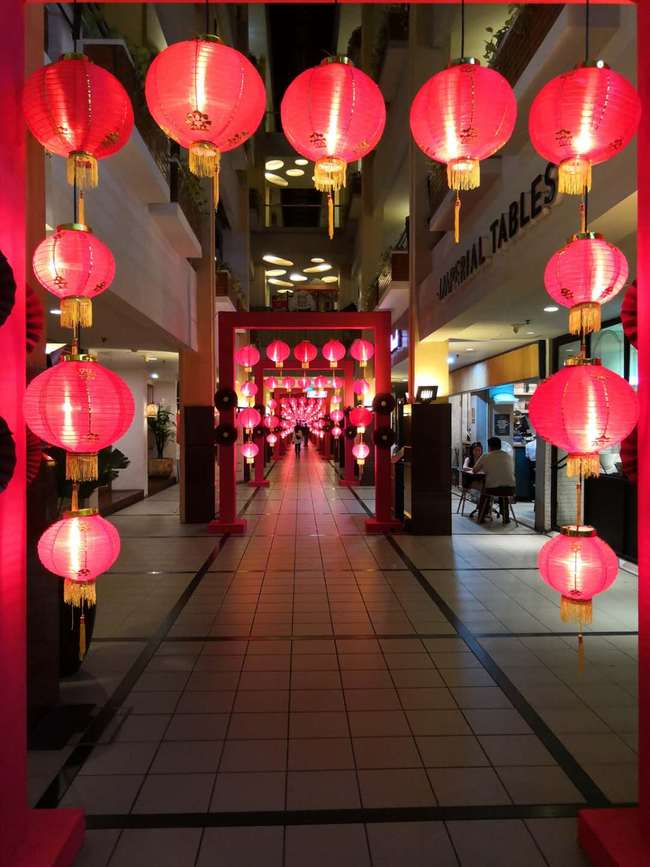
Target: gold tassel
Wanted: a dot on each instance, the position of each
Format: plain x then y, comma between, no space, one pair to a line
330,216
463,174
330,174
457,219
584,318
575,610
574,176
581,652
205,159
215,189
82,637
585,465
82,168
76,593
76,311
81,467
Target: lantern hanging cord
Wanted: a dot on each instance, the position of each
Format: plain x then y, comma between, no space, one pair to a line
587,10
207,16
76,24
462,28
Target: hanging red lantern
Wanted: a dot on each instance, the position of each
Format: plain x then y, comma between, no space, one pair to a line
79,548
248,419
303,382
362,351
579,565
461,116
249,452
288,382
585,273
333,351
271,439
360,452
75,266
333,114
360,417
304,352
338,415
249,390
207,97
582,118
81,407
278,352
320,382
361,386
583,409
271,383
79,111
336,382
336,431
247,356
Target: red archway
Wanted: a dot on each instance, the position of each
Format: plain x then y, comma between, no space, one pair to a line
377,323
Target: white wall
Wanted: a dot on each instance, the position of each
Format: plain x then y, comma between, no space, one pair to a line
134,441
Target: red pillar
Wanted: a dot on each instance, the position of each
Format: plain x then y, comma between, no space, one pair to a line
259,481
348,400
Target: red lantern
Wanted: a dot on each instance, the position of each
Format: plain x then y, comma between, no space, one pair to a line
288,382
582,118
271,439
320,382
333,351
249,390
304,352
303,382
361,386
271,383
333,114
336,431
278,352
249,418
583,409
336,382
585,273
80,111
81,407
207,97
247,356
578,565
360,452
362,351
79,548
461,116
75,266
249,451
360,418
337,415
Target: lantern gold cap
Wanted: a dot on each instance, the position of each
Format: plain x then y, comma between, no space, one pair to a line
81,513
209,37
461,61
586,236
581,531
337,58
581,360
78,356
74,227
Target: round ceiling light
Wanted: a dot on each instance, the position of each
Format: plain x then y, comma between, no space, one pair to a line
301,162
276,179
297,278
330,278
295,173
275,272
317,269
277,260
273,165
276,282
317,260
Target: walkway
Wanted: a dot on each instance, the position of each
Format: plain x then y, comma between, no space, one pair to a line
311,695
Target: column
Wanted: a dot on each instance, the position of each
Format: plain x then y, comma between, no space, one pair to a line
259,481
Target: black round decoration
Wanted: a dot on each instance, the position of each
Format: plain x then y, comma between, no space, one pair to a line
351,432
259,431
7,289
383,403
225,435
278,429
7,455
328,425
225,398
384,437
34,318
260,408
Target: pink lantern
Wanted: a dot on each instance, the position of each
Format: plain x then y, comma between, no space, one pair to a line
273,403
320,382
362,351
249,451
247,356
360,452
289,382
337,415
360,417
271,439
304,352
361,386
336,431
278,352
249,390
336,382
248,419
272,383
333,351
303,382
578,564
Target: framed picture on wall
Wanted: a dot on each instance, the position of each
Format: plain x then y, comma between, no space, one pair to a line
502,424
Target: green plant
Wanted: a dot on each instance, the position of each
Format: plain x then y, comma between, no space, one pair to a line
110,462
162,428
495,41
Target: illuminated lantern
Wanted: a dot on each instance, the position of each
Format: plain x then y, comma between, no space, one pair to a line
75,266
333,114
271,439
278,352
207,97
81,407
249,451
583,409
79,111
272,383
288,382
273,403
304,352
360,417
337,415
335,399
303,382
249,418
333,351
249,390
362,351
579,565
582,118
321,382
461,116
360,452
361,386
336,431
247,356
585,273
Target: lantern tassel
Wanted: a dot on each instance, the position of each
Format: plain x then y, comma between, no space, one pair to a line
464,174
457,219
76,311
81,467
330,216
574,176
584,318
576,610
82,169
76,593
82,637
586,465
205,162
330,174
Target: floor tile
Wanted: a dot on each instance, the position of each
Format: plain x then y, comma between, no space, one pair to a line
241,847
175,793
467,786
325,845
187,757
164,847
312,754
416,844
234,792
395,787
254,755
494,843
539,785
322,790
386,752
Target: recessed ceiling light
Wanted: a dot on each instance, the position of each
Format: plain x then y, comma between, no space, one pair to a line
285,291
276,179
317,260
530,332
275,282
451,359
295,173
330,278
301,162
297,278
551,309
317,269
55,311
273,165
275,272
153,375
277,260
469,349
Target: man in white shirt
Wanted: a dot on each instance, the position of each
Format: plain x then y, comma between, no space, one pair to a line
499,472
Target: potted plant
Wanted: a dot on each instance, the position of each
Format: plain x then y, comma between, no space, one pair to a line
162,429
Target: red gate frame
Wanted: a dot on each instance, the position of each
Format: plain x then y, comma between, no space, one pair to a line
378,323
51,838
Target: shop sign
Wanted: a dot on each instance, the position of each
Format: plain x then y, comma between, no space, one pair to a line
520,212
502,424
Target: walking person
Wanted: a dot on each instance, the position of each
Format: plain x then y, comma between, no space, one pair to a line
297,440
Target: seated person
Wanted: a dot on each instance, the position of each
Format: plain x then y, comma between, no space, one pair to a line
475,452
499,470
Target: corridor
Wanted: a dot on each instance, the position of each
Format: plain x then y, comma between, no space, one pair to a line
307,694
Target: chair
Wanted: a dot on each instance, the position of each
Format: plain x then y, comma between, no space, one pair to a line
469,482
506,497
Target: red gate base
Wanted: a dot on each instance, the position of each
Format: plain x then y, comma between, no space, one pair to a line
53,838
220,528
614,838
373,525
264,483
349,483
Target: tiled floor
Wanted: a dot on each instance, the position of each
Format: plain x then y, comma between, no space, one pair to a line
326,697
